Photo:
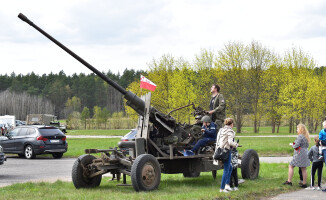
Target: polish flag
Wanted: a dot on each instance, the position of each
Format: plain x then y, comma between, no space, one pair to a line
147,84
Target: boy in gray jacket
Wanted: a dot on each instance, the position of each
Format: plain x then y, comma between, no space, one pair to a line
313,155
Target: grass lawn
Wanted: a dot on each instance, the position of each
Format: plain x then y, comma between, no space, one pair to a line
175,186
107,132
245,131
76,146
271,146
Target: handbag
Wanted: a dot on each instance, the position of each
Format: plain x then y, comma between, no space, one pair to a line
221,154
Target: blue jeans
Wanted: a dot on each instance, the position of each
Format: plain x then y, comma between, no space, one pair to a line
324,154
226,172
201,143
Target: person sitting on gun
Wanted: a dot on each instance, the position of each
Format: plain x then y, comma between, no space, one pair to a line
209,134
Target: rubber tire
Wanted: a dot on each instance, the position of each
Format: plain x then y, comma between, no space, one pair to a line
57,155
250,164
191,174
136,172
29,152
78,178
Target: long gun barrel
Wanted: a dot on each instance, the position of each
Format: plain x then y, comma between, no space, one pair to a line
132,100
157,118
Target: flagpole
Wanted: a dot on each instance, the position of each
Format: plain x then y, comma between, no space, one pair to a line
141,89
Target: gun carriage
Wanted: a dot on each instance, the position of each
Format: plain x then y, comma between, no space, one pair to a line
156,149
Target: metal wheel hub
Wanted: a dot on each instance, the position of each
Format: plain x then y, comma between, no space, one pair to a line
148,174
28,152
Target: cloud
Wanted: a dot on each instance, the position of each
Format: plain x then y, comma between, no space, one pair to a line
118,34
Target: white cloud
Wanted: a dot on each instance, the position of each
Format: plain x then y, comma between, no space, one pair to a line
127,34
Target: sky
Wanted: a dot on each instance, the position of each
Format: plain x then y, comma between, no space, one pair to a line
115,35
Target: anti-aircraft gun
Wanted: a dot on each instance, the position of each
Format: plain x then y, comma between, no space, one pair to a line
157,149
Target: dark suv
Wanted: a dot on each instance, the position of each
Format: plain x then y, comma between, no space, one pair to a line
29,141
2,156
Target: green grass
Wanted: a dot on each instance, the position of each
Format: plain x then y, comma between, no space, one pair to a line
263,146
245,131
267,130
271,146
107,132
76,146
278,146
175,186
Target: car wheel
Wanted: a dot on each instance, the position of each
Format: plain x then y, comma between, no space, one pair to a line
81,172
145,173
250,164
57,155
29,152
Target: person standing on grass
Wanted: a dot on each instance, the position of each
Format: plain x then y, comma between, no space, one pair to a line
226,140
217,107
322,142
234,173
300,156
317,164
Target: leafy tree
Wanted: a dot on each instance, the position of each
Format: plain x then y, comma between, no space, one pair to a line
97,115
259,59
273,81
182,92
85,115
105,115
233,60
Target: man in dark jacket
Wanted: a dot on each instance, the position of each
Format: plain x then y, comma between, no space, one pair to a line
209,134
217,107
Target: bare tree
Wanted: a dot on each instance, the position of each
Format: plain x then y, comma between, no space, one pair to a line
22,104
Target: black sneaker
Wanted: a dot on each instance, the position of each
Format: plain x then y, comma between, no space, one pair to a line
288,183
303,185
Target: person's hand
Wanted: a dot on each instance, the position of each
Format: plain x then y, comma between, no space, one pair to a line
202,130
211,112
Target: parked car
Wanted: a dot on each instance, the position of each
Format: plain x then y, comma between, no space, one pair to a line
31,140
2,129
2,156
19,123
130,136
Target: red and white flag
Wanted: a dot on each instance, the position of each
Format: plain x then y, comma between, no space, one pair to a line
147,84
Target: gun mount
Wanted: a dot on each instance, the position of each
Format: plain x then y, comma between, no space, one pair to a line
157,148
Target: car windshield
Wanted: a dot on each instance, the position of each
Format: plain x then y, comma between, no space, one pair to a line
50,131
131,134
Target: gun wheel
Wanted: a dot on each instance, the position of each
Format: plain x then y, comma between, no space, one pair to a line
145,173
80,173
250,164
195,132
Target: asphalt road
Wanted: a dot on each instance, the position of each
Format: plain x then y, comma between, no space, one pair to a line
19,170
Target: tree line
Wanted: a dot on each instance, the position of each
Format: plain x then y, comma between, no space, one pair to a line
283,89
255,81
58,90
